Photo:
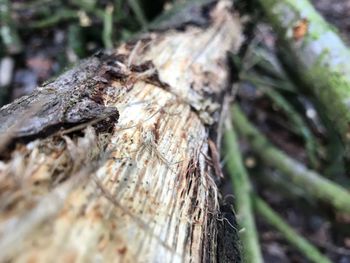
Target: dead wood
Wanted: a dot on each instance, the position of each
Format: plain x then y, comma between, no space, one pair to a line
111,162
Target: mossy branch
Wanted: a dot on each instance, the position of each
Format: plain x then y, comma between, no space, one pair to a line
314,183
242,190
139,14
63,15
304,246
299,126
317,55
8,31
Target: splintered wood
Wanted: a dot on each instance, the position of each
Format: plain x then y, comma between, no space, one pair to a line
143,190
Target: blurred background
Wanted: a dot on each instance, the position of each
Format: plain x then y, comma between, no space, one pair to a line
40,38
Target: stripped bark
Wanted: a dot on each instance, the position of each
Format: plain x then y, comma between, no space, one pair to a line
114,163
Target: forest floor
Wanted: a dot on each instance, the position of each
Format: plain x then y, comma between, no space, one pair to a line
327,230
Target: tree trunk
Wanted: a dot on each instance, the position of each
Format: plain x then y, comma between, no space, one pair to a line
115,161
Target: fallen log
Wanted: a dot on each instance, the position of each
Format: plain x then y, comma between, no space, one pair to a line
115,160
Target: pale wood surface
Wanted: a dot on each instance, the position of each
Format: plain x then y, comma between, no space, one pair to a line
145,192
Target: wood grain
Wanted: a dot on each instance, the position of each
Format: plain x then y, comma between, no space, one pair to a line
143,191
